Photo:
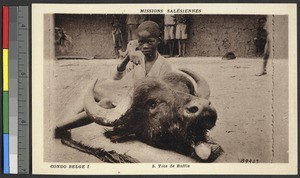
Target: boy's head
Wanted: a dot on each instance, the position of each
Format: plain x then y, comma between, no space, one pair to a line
150,27
262,21
148,36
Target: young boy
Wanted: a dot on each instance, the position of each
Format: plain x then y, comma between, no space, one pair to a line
266,43
181,33
146,62
169,29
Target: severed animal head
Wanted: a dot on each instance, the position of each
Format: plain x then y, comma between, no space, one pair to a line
169,113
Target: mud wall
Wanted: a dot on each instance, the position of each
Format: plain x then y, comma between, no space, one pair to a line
280,36
208,35
214,35
91,35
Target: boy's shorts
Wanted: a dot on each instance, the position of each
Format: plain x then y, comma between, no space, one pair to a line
169,32
180,31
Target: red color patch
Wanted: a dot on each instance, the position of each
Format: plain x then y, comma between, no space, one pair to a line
5,27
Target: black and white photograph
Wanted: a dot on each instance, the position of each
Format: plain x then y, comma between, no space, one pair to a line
164,88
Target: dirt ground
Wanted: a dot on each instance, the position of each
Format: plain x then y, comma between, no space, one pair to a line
252,111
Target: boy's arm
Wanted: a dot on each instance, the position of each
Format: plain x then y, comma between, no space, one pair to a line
132,56
122,68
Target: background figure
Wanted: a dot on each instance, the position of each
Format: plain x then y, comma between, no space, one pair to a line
181,33
169,23
261,36
117,35
263,43
132,22
62,41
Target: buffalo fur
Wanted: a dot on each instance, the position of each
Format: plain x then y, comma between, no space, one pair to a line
155,117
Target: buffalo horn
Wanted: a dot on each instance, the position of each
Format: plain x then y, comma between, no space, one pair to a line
202,89
100,115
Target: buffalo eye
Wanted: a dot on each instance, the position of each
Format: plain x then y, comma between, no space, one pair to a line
151,104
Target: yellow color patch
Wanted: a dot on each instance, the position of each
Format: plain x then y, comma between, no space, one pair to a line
5,69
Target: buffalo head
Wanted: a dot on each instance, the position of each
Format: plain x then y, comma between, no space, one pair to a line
172,112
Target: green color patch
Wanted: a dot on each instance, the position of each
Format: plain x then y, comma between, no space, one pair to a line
5,112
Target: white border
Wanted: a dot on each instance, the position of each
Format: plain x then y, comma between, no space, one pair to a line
41,167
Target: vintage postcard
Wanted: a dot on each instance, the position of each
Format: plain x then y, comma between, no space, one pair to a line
164,89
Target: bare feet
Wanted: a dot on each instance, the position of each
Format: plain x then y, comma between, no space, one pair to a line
262,73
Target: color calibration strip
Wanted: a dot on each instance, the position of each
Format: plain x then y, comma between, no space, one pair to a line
15,90
5,26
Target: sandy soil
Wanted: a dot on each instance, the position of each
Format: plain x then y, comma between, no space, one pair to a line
252,111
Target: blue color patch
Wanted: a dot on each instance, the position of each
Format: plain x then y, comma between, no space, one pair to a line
6,154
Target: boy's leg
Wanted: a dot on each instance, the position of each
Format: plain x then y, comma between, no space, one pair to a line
264,68
165,50
184,38
169,46
183,47
179,47
172,37
172,47
178,37
265,62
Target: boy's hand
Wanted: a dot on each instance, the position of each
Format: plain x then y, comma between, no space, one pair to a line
136,57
